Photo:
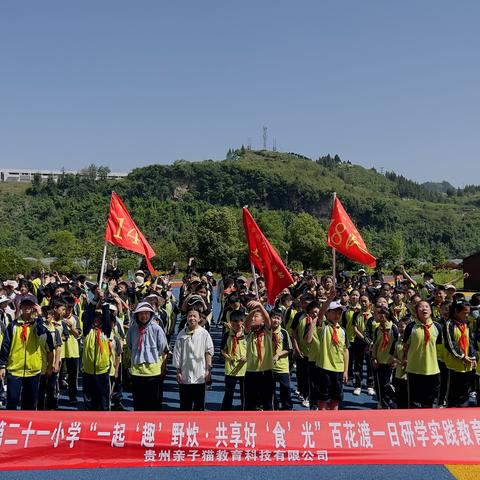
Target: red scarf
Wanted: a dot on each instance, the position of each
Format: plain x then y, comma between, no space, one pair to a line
386,339
426,329
24,333
335,339
259,336
463,342
235,343
141,334
98,332
275,342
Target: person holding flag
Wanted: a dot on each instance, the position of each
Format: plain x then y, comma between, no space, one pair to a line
122,232
264,258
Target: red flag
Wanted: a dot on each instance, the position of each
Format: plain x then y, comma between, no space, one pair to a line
344,237
265,258
122,231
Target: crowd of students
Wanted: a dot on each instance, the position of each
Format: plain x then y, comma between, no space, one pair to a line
409,345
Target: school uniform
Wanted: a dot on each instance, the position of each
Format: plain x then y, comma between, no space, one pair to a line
459,343
384,339
400,376
423,374
47,389
21,355
360,350
281,370
96,359
330,359
259,372
235,346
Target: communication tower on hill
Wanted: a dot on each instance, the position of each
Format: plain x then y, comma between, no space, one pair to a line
265,137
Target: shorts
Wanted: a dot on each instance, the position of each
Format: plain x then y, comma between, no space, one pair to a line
330,385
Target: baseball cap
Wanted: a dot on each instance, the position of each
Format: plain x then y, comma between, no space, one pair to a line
335,306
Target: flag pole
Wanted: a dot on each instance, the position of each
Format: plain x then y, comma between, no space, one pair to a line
254,280
104,258
334,253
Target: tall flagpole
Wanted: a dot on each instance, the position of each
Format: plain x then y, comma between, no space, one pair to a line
104,258
255,281
334,253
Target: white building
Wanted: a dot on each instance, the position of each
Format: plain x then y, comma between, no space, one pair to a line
26,175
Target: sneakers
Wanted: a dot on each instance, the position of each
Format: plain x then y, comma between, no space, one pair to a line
371,391
306,404
357,391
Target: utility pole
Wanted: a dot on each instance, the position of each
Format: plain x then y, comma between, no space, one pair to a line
265,137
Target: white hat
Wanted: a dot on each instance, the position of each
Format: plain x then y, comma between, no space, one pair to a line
10,283
140,272
335,305
209,274
449,286
4,299
144,307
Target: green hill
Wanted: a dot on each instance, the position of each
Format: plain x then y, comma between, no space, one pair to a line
193,208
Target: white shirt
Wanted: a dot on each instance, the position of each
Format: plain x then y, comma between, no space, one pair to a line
189,354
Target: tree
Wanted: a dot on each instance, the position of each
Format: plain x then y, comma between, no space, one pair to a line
218,239
307,241
89,252
166,254
63,245
11,264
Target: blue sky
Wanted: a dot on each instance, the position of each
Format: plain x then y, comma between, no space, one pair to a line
125,84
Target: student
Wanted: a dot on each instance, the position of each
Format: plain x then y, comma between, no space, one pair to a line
259,374
234,352
351,301
398,308
361,346
385,337
332,354
312,310
444,314
420,342
21,356
147,343
301,324
460,355
97,328
400,374
192,357
47,389
281,348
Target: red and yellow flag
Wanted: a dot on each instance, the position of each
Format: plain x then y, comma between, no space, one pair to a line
265,259
344,237
122,231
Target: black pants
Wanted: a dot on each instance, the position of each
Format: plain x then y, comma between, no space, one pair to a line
192,397
383,385
259,390
147,393
359,348
47,392
302,376
459,386
117,388
422,390
24,388
71,366
442,396
96,391
401,392
313,395
230,385
285,401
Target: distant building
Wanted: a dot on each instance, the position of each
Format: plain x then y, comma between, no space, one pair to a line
471,265
26,175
